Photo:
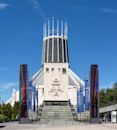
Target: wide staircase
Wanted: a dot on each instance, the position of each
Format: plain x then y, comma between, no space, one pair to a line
56,113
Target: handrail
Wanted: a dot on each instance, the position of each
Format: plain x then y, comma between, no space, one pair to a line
40,110
75,116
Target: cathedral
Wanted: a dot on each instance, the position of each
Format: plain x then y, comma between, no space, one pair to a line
55,92
55,81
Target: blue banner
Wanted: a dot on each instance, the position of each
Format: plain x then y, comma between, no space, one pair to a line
81,99
37,97
34,101
30,96
87,94
78,102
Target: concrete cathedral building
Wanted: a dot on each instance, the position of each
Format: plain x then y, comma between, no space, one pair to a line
55,81
55,92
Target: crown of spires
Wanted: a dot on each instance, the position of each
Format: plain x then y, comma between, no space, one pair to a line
52,28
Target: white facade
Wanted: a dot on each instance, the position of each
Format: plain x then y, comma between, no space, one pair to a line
14,97
56,82
58,86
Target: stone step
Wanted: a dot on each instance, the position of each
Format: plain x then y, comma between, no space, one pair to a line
51,115
56,113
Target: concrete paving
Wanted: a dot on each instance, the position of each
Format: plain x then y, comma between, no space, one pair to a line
80,126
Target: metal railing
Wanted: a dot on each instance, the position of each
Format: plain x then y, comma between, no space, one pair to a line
75,116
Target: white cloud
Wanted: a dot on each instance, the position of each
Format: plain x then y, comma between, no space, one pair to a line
3,6
6,86
86,8
108,10
36,5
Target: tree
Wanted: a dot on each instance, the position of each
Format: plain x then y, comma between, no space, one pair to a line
108,96
6,110
15,111
0,108
3,118
102,95
115,85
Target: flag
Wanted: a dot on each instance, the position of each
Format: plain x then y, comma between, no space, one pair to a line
81,99
78,102
30,96
87,95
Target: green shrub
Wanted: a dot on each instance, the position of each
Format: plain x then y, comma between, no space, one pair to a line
3,118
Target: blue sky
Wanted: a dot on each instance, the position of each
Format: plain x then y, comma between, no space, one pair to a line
92,26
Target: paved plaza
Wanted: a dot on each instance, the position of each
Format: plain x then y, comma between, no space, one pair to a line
80,126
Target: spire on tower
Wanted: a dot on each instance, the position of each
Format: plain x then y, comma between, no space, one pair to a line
61,28
44,30
65,29
52,25
57,27
48,28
